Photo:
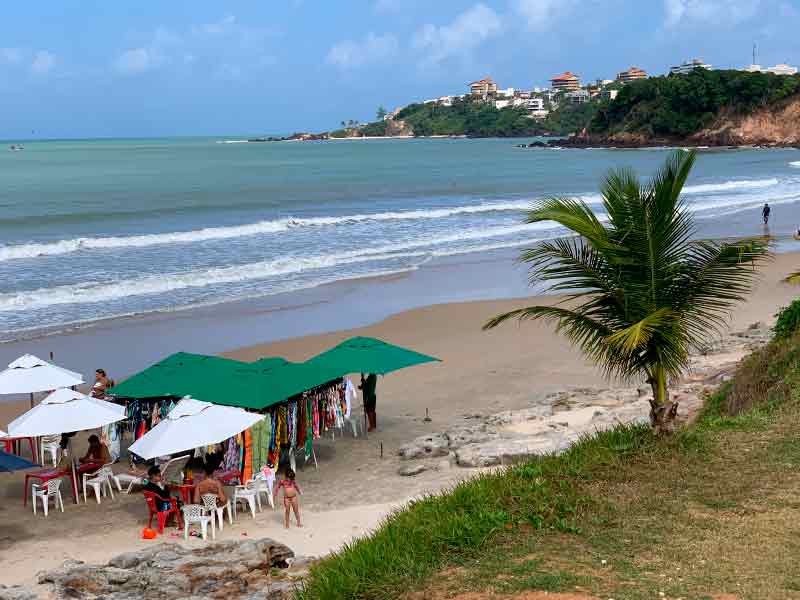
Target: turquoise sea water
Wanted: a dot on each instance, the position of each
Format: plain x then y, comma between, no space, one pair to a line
99,228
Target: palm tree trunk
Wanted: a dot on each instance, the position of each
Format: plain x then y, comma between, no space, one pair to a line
662,411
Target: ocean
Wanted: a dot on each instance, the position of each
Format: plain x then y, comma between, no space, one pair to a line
96,229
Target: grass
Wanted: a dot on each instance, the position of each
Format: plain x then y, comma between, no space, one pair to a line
621,514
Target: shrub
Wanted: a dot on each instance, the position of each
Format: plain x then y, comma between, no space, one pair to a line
788,320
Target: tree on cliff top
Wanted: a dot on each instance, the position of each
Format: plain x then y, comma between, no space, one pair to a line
640,291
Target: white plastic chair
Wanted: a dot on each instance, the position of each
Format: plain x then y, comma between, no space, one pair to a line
265,485
210,504
50,444
51,489
131,480
98,480
196,513
171,470
249,492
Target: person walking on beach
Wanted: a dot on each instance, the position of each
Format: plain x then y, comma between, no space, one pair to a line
367,388
291,497
765,213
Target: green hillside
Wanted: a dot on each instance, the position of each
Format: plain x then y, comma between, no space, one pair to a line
680,105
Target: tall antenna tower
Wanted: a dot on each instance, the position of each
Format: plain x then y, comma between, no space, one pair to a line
754,54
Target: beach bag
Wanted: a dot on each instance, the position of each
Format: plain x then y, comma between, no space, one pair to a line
149,534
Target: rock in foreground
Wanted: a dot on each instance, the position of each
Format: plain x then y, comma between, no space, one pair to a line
229,569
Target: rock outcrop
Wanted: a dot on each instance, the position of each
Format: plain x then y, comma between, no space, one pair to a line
552,424
250,570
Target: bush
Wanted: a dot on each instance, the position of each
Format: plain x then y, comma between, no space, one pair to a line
788,320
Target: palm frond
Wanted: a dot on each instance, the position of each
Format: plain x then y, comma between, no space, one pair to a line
638,335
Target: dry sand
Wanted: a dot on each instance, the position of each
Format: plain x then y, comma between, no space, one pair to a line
354,488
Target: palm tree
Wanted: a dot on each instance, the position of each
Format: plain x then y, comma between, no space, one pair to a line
640,292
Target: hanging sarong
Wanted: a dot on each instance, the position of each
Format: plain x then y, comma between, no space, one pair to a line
247,472
309,427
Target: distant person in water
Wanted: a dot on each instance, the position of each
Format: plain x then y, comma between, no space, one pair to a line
765,213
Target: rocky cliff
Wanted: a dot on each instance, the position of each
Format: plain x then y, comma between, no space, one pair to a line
776,125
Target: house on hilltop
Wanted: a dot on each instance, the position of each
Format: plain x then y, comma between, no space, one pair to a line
483,88
566,82
631,74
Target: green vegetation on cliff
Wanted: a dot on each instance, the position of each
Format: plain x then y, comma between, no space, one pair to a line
680,105
477,119
473,119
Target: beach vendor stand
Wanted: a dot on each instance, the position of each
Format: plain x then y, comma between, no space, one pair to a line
63,411
368,355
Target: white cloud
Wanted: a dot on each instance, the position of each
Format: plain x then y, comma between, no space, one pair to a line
350,54
709,11
222,47
538,14
467,31
10,56
43,62
138,60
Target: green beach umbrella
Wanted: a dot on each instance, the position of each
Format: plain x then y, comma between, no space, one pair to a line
213,378
369,355
277,380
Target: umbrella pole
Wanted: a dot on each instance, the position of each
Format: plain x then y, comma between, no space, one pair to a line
31,399
74,479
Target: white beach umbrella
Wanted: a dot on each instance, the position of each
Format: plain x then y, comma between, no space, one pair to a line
29,374
63,411
191,424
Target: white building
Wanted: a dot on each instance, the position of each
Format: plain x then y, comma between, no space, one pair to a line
609,94
689,66
446,100
502,103
782,70
776,70
509,92
536,109
536,104
578,97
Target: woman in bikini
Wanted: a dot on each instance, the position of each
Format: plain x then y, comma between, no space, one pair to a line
291,497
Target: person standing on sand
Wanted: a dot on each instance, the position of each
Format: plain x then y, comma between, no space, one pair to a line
765,213
291,497
367,388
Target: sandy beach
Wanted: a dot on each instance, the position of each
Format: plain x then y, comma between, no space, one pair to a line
354,488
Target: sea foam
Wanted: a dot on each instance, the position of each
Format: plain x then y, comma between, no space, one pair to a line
105,291
33,250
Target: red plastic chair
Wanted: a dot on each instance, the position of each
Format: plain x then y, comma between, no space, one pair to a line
151,498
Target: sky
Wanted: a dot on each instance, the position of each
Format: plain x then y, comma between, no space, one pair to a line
149,68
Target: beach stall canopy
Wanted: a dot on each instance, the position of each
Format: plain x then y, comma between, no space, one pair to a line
29,374
65,410
369,355
185,374
192,424
256,385
11,462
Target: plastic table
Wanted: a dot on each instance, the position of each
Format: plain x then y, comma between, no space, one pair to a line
46,475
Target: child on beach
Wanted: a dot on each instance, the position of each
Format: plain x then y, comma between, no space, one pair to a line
291,497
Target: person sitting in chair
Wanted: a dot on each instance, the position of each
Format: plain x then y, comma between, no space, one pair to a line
156,486
209,485
97,452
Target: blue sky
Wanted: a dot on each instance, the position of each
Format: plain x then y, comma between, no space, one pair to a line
86,68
